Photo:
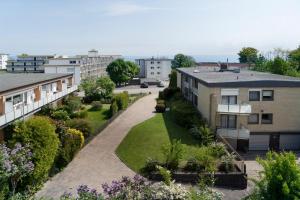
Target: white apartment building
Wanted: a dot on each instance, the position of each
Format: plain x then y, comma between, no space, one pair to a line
3,60
154,68
82,66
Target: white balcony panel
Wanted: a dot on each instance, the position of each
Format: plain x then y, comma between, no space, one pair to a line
238,108
2,119
242,133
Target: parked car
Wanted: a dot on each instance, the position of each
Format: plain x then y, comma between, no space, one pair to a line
161,84
144,85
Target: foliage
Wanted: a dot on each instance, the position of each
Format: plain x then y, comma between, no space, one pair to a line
204,160
39,134
160,107
106,87
205,194
72,104
217,149
151,166
113,108
82,125
72,142
173,79
248,55
227,162
294,57
79,114
185,114
161,191
168,93
181,60
173,153
15,164
203,134
166,175
96,105
122,100
60,115
83,193
121,71
280,178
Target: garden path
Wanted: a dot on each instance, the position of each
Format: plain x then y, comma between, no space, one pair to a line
97,162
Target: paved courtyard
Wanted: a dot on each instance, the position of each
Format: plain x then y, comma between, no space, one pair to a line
97,162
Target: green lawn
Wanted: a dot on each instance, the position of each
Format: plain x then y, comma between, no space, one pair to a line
146,140
98,118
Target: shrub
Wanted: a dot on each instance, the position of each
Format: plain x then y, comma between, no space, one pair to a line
203,134
72,104
160,101
185,114
217,149
113,109
227,162
60,115
173,153
161,95
122,100
80,114
160,108
150,166
96,105
168,93
83,193
81,125
193,165
161,191
166,175
72,142
205,160
173,79
39,134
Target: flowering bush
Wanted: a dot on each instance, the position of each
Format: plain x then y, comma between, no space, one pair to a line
83,193
15,163
206,194
173,191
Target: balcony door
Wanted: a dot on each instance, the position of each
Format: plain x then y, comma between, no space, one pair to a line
229,100
228,121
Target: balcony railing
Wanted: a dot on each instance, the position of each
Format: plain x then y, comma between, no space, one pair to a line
242,133
238,108
26,109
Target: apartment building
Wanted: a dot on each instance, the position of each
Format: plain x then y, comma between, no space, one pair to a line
28,63
23,94
252,110
3,61
154,68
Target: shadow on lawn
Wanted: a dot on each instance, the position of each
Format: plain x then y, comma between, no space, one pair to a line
106,113
177,132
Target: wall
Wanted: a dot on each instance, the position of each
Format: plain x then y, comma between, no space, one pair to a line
65,70
163,68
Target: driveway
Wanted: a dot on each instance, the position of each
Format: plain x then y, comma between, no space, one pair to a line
97,162
136,89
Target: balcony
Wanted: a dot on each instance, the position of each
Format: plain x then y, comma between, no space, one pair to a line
242,133
234,109
23,110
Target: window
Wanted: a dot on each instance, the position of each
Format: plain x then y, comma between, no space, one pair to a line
72,61
13,69
158,72
152,62
17,99
267,118
195,100
253,119
158,62
24,63
152,67
186,78
158,67
24,69
195,83
186,92
229,100
35,69
152,73
254,95
267,95
70,70
228,121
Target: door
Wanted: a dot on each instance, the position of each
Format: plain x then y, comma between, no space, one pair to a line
229,100
228,121
259,142
289,142
274,141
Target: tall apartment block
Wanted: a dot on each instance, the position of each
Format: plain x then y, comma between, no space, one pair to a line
3,61
251,110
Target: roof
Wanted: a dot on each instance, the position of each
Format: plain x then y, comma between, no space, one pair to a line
10,82
217,64
154,59
245,78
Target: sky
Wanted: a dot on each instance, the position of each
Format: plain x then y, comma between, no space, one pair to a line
148,27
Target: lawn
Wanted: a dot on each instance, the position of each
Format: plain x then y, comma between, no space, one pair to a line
147,138
97,118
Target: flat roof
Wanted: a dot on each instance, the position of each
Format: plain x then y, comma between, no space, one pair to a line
10,81
153,59
245,78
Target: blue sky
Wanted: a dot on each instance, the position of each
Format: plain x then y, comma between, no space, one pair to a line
148,27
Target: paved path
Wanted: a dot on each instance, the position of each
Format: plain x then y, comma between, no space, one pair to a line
97,162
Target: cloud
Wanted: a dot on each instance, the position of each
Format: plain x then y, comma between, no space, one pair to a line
126,8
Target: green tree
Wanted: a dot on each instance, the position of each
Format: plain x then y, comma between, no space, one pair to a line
121,71
294,57
278,66
280,178
39,134
248,55
181,60
106,87
173,79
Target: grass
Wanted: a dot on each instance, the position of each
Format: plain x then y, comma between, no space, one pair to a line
146,140
97,118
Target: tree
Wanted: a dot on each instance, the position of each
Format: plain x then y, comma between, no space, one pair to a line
248,55
173,79
294,57
39,134
280,178
278,66
106,87
181,60
121,71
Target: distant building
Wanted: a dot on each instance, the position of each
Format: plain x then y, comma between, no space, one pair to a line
3,61
217,65
28,63
82,66
154,68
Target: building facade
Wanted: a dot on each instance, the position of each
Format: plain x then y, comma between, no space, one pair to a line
23,94
82,66
252,110
3,61
28,63
154,68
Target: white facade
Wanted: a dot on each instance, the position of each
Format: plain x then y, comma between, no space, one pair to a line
155,68
3,61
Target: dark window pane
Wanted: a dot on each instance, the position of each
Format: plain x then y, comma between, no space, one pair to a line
253,119
254,95
267,118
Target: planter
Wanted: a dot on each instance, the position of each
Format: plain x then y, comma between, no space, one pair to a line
236,180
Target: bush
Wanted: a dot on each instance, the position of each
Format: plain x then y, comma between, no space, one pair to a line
150,166
217,149
160,108
81,125
39,134
72,142
168,93
113,109
4,189
122,100
80,114
227,162
193,165
173,153
60,115
96,105
203,134
185,114
166,175
72,104
160,101
205,160
173,79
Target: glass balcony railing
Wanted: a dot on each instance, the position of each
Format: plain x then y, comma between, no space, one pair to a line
237,108
242,133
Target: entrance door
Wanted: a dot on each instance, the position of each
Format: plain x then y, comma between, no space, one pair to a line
274,141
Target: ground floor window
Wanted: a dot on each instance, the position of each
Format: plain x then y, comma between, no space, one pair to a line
253,118
267,118
228,121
